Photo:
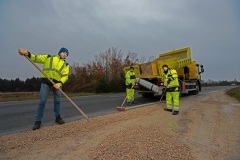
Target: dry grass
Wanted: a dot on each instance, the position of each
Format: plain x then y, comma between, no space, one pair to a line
21,96
18,96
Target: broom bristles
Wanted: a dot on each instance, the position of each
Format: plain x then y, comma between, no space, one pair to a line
121,108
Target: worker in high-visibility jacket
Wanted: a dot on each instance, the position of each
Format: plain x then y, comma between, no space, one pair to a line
57,70
130,82
171,85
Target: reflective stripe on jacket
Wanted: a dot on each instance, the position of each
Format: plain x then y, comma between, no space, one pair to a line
53,66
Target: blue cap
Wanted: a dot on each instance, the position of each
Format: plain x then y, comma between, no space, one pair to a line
63,50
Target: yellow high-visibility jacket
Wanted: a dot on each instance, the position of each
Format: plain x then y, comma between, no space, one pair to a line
53,66
174,82
130,78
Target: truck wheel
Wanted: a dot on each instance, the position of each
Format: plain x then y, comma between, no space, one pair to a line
147,95
196,91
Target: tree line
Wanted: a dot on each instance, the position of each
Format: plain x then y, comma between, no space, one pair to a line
17,85
210,82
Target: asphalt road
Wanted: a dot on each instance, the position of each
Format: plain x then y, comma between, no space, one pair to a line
18,116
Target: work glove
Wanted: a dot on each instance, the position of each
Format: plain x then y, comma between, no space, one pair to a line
132,77
23,52
170,78
129,86
57,85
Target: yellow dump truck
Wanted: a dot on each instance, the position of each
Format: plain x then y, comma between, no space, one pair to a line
150,75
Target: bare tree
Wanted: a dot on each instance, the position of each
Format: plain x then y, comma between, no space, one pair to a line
107,66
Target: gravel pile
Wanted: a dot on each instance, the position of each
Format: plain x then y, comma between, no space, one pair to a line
133,134
80,128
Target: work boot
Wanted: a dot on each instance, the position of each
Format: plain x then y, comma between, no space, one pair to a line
59,120
175,112
167,109
36,125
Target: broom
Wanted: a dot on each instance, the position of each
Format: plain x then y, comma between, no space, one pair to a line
163,94
123,108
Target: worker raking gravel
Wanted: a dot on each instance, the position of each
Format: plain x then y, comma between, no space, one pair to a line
57,70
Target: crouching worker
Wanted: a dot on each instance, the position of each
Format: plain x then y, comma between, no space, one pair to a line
171,85
130,82
57,70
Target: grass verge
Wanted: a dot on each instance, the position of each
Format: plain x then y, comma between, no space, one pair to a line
18,96
234,92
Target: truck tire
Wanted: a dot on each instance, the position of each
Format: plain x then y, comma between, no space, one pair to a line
195,92
147,95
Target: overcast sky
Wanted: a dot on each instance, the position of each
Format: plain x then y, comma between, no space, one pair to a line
147,27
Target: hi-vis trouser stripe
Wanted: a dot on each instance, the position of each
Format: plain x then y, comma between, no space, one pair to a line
58,71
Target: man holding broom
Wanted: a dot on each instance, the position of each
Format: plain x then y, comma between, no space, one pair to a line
171,85
57,70
130,82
